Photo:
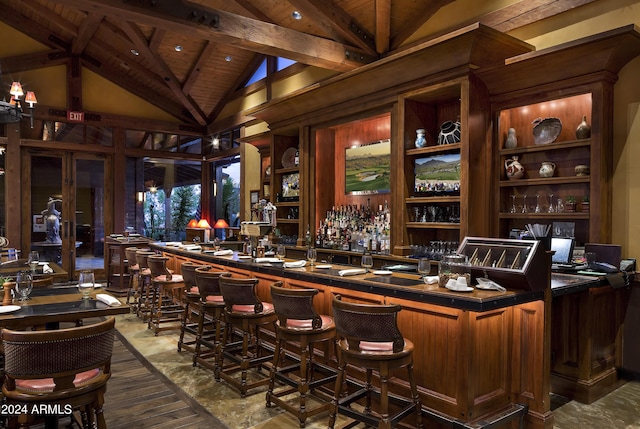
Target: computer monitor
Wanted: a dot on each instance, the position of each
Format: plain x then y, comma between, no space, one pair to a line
563,248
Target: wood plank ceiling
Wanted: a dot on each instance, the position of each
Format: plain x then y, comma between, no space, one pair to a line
133,42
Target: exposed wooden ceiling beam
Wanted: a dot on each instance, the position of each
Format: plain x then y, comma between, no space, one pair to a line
430,8
528,11
336,23
156,39
171,80
203,57
20,63
86,31
231,29
257,13
383,25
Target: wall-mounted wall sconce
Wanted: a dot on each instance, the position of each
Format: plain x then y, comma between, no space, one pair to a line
215,142
214,188
140,196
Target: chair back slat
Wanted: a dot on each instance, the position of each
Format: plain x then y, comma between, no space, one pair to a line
295,304
158,265
57,353
207,281
369,323
240,292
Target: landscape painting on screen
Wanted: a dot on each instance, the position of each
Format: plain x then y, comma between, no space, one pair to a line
438,174
367,168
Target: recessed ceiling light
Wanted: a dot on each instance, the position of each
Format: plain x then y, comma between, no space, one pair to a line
178,48
296,15
134,52
228,58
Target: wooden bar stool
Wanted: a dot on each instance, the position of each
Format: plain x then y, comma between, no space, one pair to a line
210,320
133,268
166,307
301,326
369,338
245,313
143,307
191,305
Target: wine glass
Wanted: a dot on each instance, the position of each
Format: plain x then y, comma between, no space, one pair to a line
551,208
366,262
86,282
34,260
424,266
312,255
280,251
24,285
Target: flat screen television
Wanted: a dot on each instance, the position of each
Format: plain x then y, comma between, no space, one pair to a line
290,187
437,174
367,168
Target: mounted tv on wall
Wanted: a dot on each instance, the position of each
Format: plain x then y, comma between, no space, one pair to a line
437,174
367,168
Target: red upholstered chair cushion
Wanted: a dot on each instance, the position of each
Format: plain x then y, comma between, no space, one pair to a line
267,307
47,384
306,323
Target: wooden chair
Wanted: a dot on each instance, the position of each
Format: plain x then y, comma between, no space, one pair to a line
247,314
369,338
301,327
191,305
133,292
75,380
166,288
143,307
210,330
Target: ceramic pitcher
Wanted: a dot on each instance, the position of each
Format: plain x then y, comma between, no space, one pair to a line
547,169
514,169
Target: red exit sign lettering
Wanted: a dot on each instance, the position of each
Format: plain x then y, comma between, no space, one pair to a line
75,116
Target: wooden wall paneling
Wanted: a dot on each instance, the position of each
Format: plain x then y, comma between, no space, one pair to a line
324,173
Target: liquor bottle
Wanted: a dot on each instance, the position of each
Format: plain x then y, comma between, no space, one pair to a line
307,236
296,159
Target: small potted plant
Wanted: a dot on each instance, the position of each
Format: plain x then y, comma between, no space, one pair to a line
570,205
585,203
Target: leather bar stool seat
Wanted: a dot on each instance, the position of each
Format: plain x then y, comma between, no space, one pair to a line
143,307
369,338
300,327
247,315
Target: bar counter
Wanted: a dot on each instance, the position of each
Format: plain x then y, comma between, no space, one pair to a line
477,354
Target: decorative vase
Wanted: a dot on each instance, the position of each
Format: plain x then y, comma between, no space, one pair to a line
584,129
449,132
581,170
421,141
514,169
547,169
511,141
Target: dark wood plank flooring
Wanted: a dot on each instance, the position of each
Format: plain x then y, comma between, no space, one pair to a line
138,396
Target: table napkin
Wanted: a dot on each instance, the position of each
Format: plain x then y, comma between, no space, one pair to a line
223,252
431,280
191,247
108,299
173,243
295,264
263,260
46,269
352,272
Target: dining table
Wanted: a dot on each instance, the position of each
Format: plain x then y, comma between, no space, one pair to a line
52,305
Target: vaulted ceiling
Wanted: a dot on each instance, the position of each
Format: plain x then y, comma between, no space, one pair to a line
133,42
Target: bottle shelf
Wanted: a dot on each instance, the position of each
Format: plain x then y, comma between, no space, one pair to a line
284,220
433,225
563,215
435,199
287,170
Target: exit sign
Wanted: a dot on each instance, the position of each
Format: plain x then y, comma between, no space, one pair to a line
75,116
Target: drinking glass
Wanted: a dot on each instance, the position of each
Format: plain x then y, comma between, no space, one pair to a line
280,251
24,285
366,262
424,266
590,258
312,255
86,282
34,260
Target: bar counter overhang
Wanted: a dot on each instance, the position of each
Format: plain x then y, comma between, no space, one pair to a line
476,355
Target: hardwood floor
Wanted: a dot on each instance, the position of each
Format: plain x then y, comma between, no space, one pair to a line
138,396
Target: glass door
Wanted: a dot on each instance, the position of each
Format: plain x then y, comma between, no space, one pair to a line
67,205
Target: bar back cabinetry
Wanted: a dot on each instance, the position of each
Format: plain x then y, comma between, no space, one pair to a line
286,192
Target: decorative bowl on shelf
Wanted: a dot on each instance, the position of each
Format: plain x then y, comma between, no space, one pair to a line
289,158
546,130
